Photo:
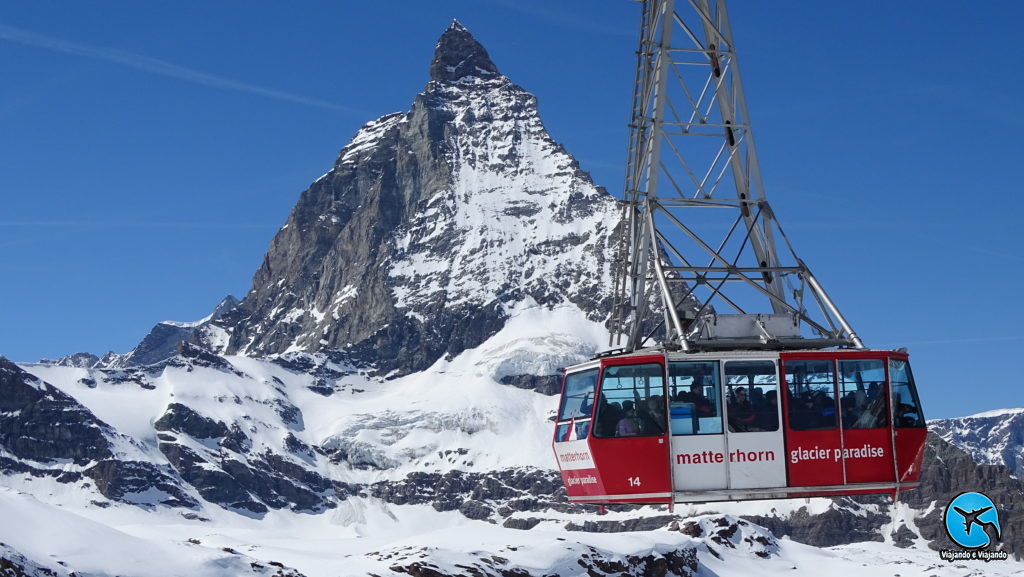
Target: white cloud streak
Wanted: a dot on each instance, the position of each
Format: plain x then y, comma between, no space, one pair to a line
160,67
132,224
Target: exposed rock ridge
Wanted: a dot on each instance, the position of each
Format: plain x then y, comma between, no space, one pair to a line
459,56
161,343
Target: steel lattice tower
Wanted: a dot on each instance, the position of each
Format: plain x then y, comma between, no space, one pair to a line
705,279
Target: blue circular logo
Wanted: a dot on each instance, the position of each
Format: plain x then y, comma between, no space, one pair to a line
972,521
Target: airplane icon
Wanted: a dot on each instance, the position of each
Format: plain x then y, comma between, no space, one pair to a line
972,519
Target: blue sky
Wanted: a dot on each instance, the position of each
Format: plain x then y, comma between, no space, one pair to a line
150,151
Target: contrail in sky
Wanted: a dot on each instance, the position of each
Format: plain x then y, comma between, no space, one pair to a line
129,224
157,66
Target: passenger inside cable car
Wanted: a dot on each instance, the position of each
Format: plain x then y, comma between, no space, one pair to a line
694,396
753,396
629,424
768,416
906,407
741,411
632,402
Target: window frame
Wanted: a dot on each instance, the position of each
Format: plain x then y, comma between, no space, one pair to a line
581,421
791,400
606,403
911,389
729,391
715,401
876,403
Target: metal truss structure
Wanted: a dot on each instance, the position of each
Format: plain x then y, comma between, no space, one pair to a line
705,279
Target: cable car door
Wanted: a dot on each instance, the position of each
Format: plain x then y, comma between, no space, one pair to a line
814,443
867,440
755,444
698,442
630,438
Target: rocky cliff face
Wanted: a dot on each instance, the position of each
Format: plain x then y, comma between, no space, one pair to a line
40,423
917,518
992,438
430,227
949,471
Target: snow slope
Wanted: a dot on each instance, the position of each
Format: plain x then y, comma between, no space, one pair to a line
125,541
409,425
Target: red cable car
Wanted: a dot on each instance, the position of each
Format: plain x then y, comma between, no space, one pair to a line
672,427
740,401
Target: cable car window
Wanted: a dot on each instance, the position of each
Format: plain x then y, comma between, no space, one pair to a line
567,432
694,399
811,387
578,404
577,399
632,402
862,390
752,396
906,406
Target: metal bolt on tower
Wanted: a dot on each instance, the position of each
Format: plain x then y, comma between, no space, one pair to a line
713,278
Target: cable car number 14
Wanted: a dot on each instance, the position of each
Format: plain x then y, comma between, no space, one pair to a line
634,481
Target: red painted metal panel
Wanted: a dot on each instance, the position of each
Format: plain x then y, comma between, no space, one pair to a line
632,360
868,455
617,469
634,468
579,472
909,453
814,458
633,465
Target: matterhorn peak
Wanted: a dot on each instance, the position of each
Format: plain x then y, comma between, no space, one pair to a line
459,56
434,228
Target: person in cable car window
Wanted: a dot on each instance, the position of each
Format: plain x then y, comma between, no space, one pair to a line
700,402
587,405
654,421
608,416
768,415
824,407
907,414
853,404
629,424
741,412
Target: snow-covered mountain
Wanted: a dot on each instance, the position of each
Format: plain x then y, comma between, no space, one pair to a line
991,438
432,227
380,402
213,454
